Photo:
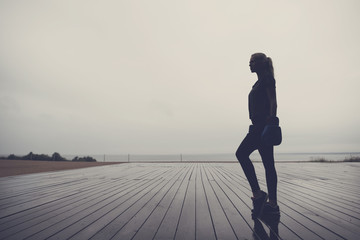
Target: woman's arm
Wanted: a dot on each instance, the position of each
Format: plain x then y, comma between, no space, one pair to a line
271,94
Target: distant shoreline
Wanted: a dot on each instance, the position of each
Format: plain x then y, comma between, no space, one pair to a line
21,167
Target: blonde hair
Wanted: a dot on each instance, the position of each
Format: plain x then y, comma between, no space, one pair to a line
268,64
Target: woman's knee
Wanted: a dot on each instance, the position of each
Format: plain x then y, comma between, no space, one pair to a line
246,147
241,155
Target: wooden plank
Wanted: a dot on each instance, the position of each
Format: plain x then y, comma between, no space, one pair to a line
186,228
150,228
339,212
39,183
234,201
319,221
315,216
327,213
96,184
107,207
222,226
170,222
234,181
40,196
333,191
237,212
204,221
136,222
31,205
62,215
22,182
179,200
124,213
337,200
62,219
62,205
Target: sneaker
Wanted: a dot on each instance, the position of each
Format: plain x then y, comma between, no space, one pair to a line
271,210
258,204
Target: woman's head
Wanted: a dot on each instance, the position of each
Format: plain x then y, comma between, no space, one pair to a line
259,62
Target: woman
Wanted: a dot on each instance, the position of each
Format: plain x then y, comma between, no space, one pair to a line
262,111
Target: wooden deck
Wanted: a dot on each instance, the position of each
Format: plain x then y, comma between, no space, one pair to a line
179,201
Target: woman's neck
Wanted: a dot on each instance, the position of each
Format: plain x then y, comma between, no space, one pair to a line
261,74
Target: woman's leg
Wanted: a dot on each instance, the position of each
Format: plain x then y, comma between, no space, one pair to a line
267,156
247,146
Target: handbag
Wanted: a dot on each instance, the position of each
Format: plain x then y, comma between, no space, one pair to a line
271,134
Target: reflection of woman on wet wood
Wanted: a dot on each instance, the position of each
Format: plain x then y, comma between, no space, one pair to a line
263,135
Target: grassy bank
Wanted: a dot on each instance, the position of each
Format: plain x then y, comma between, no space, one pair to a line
350,159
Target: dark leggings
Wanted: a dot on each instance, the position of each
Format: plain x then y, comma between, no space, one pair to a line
251,142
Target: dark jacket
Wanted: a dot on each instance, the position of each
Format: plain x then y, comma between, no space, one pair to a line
262,101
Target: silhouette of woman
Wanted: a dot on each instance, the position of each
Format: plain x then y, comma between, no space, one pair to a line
262,111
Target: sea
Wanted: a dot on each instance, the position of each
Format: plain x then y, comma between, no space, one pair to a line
217,157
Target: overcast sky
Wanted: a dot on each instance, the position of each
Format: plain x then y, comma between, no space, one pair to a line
94,77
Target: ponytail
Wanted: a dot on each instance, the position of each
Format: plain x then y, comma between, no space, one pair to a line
270,66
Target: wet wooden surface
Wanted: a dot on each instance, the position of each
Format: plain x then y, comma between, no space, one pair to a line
179,201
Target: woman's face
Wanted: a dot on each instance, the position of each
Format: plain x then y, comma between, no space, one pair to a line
252,64
255,64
